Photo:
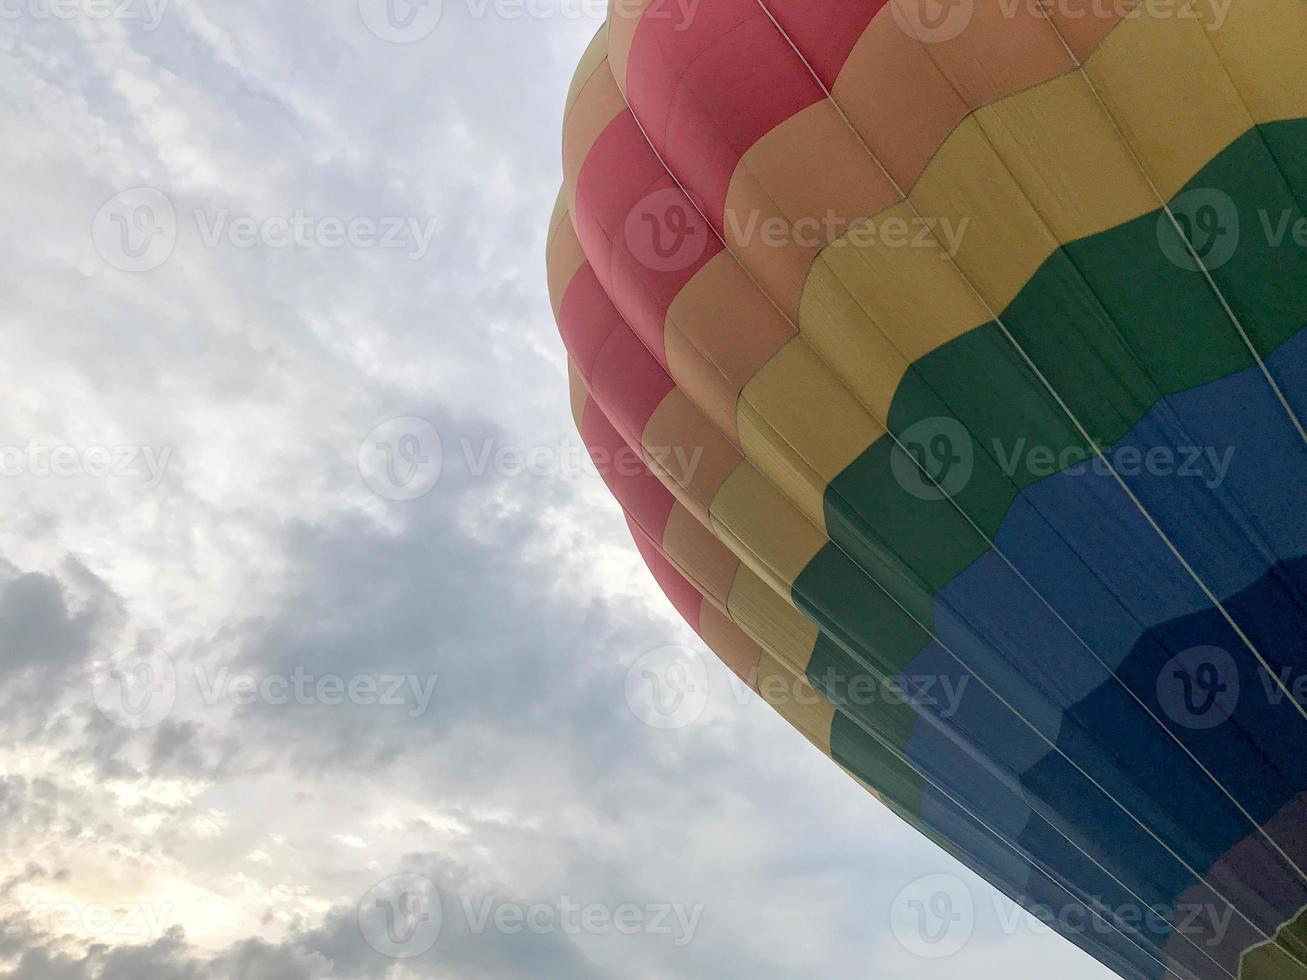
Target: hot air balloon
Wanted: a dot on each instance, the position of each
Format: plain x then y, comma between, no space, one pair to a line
982,324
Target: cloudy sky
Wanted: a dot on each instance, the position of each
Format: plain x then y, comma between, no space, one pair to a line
321,649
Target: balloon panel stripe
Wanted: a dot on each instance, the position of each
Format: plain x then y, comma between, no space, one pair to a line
1059,242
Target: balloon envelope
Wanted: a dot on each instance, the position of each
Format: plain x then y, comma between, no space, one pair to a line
960,351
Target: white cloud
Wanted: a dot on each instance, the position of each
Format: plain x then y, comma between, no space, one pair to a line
258,826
